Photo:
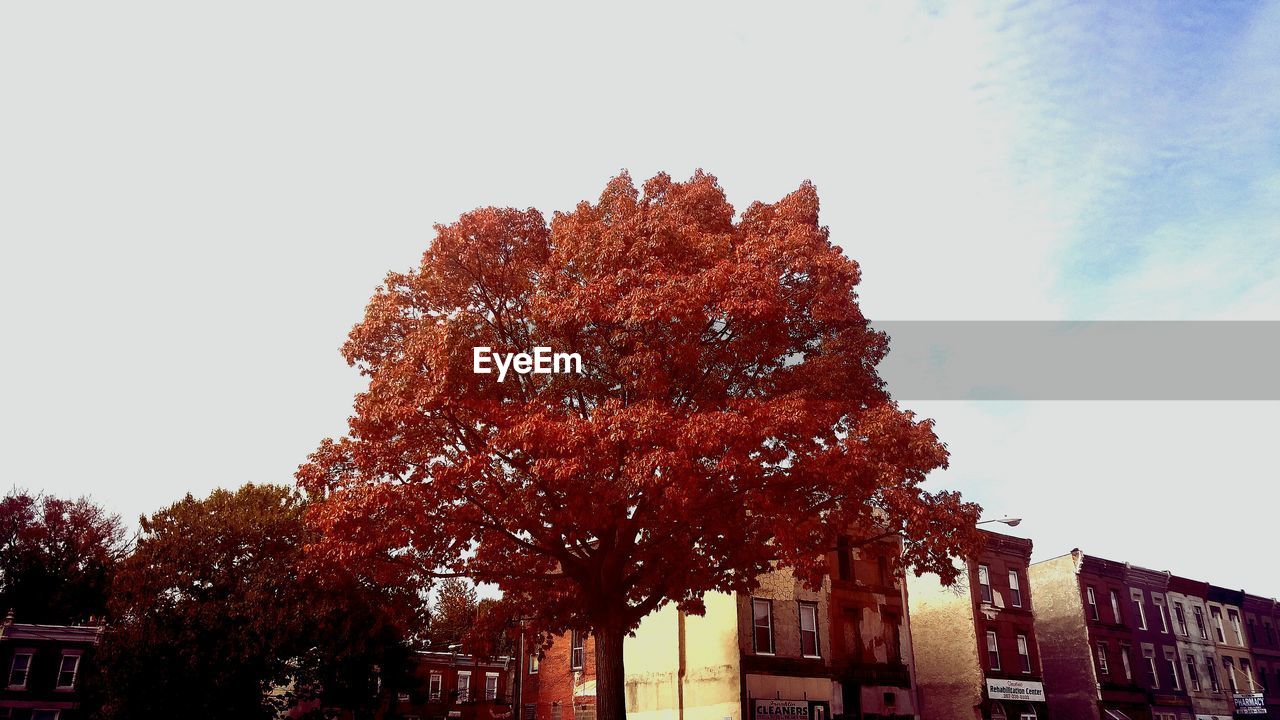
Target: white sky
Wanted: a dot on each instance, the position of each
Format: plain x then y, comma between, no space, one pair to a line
196,202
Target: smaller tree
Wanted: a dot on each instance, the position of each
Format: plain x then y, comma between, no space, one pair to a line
57,557
217,616
453,614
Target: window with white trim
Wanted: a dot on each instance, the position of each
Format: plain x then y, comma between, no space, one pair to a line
1137,597
534,662
1181,617
1153,675
1234,617
1103,668
464,685
1160,611
1214,685
1125,663
434,686
762,626
1093,602
68,670
1193,676
809,630
984,583
1116,617
1024,654
491,686
1015,589
577,650
1199,615
20,669
1216,614
1171,660
993,650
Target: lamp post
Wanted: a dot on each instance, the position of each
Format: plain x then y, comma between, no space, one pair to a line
1011,522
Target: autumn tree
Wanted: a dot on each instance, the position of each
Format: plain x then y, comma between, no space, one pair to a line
57,557
214,616
728,417
454,612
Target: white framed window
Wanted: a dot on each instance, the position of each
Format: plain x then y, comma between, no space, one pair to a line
464,685
1158,600
491,686
1015,589
762,626
1137,597
993,650
1125,662
1193,675
1230,667
577,650
809,630
534,660
1024,654
20,669
1028,713
1172,661
1200,626
1214,685
1115,608
68,670
435,686
1234,617
1103,668
1181,617
1093,602
1216,614
1153,675
984,584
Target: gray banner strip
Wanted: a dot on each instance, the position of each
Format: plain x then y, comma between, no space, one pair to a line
1096,360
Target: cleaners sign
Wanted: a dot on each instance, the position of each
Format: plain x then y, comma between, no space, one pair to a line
780,709
1015,690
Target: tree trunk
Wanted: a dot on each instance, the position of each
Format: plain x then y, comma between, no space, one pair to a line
611,699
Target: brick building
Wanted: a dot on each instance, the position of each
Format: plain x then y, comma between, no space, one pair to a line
444,685
841,651
45,666
1226,629
1198,657
977,654
1102,648
1262,622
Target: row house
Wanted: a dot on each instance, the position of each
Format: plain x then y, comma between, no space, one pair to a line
1197,652
840,651
445,685
46,665
1262,620
976,650
1226,628
1107,642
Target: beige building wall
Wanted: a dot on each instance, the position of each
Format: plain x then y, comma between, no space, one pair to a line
947,666
683,667
1065,657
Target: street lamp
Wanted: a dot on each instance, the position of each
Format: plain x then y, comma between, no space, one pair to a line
1011,522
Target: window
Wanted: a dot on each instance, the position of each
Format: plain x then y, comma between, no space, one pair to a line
984,582
464,685
809,630
1234,617
1127,665
577,650
67,671
844,563
1253,632
1015,589
1024,654
20,669
490,686
1213,674
993,650
1115,608
1181,617
762,613
1266,630
1247,672
1102,659
1153,677
1172,661
1136,595
893,636
434,686
1093,602
1200,622
1164,619
534,661
1028,713
1216,614
997,712
1230,667
1193,677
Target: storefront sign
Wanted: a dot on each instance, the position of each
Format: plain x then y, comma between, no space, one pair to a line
780,709
1250,704
1015,690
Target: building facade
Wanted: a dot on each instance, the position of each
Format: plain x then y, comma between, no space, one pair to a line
1196,650
1227,630
444,685
840,651
1262,620
977,653
46,665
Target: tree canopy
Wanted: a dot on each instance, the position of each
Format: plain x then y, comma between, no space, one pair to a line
728,418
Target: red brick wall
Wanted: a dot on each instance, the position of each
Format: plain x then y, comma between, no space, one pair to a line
555,683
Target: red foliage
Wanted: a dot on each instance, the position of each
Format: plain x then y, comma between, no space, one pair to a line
729,414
